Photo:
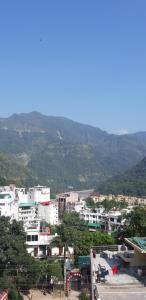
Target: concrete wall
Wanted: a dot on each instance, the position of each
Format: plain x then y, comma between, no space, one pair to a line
139,259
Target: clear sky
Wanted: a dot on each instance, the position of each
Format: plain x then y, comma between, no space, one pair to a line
82,59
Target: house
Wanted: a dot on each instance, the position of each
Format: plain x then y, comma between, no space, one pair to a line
38,239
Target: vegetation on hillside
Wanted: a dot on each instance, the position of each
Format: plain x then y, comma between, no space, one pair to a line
133,182
62,154
12,171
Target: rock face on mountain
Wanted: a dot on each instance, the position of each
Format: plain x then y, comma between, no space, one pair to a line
65,154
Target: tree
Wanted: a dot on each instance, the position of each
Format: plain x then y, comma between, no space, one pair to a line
75,232
135,222
83,295
18,268
90,203
110,204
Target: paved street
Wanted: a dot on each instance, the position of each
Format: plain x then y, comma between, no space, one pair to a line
38,295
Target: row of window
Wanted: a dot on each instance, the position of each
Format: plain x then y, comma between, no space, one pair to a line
32,238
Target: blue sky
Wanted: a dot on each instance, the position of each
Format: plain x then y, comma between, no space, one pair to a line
85,60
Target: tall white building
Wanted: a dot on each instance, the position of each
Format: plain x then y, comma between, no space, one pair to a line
48,211
39,194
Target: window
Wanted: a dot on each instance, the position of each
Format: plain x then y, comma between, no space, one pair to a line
34,238
28,238
5,196
112,219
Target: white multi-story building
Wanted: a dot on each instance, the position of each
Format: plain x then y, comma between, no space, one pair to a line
21,195
45,211
8,205
27,212
39,194
91,216
38,239
75,206
48,211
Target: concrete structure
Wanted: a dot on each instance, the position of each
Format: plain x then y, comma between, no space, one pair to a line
21,195
63,199
8,205
48,211
139,256
39,194
91,217
27,212
45,211
38,239
75,206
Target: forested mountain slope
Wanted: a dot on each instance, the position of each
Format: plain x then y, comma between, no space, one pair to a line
132,182
63,154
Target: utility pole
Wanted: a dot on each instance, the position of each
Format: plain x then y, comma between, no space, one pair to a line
91,276
65,279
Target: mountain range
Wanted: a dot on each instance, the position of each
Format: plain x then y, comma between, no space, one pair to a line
65,154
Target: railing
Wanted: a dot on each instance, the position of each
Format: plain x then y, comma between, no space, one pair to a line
99,249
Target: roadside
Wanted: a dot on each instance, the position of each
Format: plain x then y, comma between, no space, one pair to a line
57,295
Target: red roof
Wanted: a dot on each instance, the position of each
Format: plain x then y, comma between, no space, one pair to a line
45,202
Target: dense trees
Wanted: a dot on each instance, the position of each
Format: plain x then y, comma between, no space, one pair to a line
135,225
108,205
18,270
75,231
90,203
136,222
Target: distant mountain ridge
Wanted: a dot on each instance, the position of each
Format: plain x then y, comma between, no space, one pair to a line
62,153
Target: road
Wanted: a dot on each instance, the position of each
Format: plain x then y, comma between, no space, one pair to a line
38,295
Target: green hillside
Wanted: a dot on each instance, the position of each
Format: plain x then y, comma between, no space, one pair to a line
65,154
11,171
132,182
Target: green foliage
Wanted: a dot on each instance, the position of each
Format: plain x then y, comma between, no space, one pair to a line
90,203
83,295
135,223
61,153
74,231
108,205
19,271
51,268
12,171
132,182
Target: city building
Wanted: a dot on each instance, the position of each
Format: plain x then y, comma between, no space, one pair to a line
39,194
63,199
38,239
8,205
